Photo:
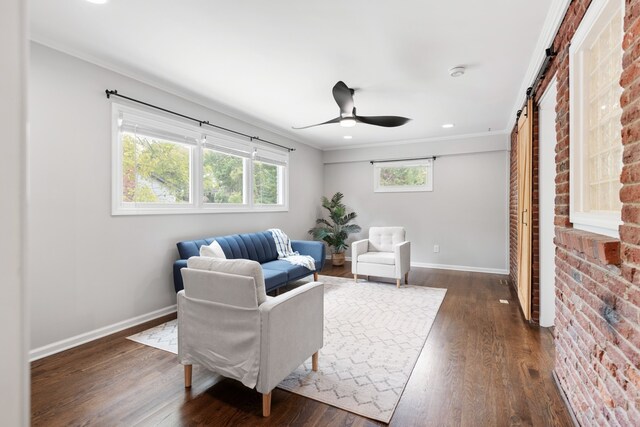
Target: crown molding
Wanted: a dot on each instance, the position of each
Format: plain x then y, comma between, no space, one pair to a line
550,28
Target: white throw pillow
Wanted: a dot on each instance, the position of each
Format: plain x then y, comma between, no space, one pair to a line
214,250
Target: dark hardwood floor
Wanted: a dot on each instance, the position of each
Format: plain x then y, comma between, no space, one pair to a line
482,365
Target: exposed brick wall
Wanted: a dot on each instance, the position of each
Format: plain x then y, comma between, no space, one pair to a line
597,330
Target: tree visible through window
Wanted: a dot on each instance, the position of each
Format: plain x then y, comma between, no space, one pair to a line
222,177
155,171
403,176
265,183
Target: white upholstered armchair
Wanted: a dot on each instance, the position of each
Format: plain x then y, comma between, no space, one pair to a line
228,324
385,253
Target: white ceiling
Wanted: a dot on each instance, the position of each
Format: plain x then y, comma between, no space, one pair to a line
276,61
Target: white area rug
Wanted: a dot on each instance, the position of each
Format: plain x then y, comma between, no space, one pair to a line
373,336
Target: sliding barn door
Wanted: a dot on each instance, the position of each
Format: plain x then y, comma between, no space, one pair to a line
525,131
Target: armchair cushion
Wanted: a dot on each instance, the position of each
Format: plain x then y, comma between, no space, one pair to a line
382,239
242,267
378,258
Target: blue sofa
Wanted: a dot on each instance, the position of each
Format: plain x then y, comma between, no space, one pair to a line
258,247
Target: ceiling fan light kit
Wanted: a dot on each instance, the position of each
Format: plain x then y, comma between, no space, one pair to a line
343,95
347,122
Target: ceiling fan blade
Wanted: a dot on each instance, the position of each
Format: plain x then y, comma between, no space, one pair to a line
336,120
385,121
344,97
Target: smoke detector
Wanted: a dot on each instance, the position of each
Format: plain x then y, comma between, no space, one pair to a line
457,71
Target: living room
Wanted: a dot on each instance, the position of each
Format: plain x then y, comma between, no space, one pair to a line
93,267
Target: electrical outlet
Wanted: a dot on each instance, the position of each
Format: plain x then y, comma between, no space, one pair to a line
436,248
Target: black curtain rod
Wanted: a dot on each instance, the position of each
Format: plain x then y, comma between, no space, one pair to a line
402,160
111,93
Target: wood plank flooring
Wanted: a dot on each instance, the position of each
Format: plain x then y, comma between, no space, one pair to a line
482,365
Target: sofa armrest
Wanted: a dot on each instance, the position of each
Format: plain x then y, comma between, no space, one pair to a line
358,248
177,275
402,252
292,330
312,248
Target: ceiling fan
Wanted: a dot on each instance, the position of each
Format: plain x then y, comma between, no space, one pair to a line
348,117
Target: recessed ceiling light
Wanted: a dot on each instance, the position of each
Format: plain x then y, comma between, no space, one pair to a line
347,137
98,1
448,125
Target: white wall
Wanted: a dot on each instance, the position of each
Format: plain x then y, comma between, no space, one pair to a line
88,269
466,214
14,368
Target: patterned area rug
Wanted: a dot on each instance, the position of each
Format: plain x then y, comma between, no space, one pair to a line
373,336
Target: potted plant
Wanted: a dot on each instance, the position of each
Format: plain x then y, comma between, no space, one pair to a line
335,230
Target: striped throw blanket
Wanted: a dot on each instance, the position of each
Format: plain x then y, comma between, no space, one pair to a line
286,252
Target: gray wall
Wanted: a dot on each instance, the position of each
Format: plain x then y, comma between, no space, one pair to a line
14,367
88,269
466,214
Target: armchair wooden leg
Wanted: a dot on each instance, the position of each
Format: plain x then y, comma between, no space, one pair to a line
187,375
406,278
314,362
398,283
266,404
315,276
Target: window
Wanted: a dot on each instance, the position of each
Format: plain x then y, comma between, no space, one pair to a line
413,175
222,178
268,178
595,140
165,166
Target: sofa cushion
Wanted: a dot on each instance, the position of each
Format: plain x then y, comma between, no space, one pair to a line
293,271
378,258
274,278
383,239
241,267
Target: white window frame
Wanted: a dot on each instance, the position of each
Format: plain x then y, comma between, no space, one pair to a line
600,223
378,166
199,139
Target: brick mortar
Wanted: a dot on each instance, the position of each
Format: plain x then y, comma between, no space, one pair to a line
590,350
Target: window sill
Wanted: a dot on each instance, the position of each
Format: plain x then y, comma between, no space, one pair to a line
604,250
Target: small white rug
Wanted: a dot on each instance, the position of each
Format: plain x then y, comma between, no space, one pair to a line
373,336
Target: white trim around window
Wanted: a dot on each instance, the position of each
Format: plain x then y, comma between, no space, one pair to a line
595,143
173,167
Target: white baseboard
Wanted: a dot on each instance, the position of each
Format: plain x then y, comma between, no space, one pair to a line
57,347
451,267
460,268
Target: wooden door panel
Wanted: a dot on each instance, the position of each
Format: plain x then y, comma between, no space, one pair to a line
524,208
